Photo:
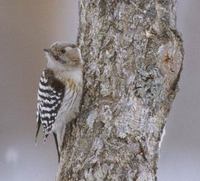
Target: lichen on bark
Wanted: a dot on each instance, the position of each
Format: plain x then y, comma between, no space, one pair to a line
133,58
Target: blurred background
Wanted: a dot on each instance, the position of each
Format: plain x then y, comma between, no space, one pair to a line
26,27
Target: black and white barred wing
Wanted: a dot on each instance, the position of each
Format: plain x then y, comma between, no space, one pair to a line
50,96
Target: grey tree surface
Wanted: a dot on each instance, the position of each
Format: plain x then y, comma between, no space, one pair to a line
133,58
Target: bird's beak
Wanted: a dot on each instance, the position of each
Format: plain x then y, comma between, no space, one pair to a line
46,50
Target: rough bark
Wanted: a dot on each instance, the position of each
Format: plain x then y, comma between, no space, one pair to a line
133,58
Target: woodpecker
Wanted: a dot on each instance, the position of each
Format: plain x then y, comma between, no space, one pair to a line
60,91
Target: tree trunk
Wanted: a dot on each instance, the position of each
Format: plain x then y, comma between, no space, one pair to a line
133,59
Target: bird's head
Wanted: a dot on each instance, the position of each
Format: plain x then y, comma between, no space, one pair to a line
64,55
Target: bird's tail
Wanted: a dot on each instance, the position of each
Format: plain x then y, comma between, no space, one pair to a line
37,131
57,146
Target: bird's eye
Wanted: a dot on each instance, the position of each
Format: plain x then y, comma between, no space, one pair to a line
63,51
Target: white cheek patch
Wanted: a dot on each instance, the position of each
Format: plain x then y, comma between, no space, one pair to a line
68,49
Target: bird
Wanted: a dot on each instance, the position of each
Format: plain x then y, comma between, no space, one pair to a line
60,91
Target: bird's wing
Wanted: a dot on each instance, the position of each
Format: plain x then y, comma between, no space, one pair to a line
50,96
